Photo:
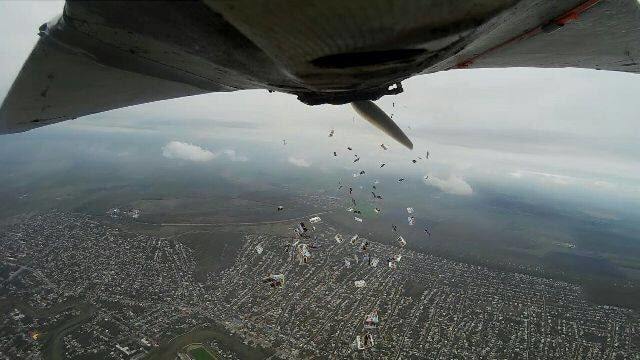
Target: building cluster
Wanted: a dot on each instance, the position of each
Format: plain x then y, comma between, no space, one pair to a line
87,288
425,307
114,294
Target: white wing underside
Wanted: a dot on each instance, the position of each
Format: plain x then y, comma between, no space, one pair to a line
78,70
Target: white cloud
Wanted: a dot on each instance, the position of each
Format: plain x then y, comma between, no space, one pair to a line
603,184
452,185
556,178
299,162
545,177
565,180
185,151
233,156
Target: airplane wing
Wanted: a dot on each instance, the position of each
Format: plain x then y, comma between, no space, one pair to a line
56,84
99,55
592,34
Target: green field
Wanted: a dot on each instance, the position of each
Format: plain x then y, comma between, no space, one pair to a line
228,342
200,353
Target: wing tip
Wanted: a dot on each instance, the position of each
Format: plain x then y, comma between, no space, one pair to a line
408,144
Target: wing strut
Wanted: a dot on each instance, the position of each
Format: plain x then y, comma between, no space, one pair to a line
373,114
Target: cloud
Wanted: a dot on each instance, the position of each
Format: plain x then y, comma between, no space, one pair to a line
186,151
565,180
299,162
545,177
603,184
233,156
452,185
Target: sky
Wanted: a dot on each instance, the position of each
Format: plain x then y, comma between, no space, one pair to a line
570,132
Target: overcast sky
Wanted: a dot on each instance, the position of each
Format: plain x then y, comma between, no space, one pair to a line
562,129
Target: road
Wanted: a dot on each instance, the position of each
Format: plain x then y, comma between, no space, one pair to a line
244,223
21,270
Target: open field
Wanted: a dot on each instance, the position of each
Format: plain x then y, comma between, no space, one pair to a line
204,335
199,352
